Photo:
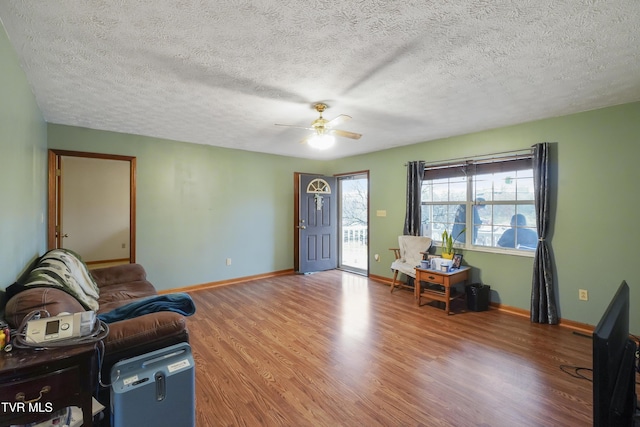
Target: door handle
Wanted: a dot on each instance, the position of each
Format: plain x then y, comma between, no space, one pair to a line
301,227
65,235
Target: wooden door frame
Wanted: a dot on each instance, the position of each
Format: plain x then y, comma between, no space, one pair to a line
296,220
296,217
53,196
296,213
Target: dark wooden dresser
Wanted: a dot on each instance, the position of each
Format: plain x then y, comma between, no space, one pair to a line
35,383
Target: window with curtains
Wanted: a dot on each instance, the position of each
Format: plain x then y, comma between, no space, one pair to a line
482,203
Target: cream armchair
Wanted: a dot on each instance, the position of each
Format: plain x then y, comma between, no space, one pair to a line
408,256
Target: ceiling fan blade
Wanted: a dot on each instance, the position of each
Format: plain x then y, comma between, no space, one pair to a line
338,120
306,139
295,126
345,133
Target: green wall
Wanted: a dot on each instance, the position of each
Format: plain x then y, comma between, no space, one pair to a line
23,172
595,196
198,205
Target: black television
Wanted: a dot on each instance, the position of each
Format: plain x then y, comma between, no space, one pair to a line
614,365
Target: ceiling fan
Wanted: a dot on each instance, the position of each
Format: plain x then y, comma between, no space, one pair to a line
324,133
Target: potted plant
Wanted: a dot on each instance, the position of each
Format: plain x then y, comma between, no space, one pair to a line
447,243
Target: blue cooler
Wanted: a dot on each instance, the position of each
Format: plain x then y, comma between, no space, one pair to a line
155,389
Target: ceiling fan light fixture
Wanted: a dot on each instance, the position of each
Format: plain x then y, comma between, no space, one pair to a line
322,142
324,134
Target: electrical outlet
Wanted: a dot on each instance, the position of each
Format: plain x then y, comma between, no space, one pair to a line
583,295
228,261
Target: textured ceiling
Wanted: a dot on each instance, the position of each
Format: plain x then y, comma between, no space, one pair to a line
224,72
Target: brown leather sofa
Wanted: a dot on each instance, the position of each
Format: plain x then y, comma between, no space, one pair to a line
118,285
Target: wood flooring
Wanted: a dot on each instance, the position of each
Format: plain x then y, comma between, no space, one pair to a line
338,349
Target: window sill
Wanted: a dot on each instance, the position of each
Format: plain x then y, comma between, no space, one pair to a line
498,251
503,251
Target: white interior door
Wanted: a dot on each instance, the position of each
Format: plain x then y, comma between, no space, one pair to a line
95,208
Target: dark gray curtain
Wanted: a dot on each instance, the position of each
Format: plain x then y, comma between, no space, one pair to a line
543,304
415,173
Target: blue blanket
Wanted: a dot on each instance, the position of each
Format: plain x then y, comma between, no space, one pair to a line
178,303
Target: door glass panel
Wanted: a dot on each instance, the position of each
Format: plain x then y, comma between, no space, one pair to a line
354,226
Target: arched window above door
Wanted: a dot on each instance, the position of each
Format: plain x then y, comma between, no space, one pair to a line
319,186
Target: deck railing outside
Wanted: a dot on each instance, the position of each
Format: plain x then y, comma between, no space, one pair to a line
354,246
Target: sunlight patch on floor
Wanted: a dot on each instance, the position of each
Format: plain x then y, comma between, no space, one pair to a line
355,306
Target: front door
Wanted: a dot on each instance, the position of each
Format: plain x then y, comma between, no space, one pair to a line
317,223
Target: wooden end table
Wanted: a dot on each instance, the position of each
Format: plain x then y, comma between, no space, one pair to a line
34,383
444,279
